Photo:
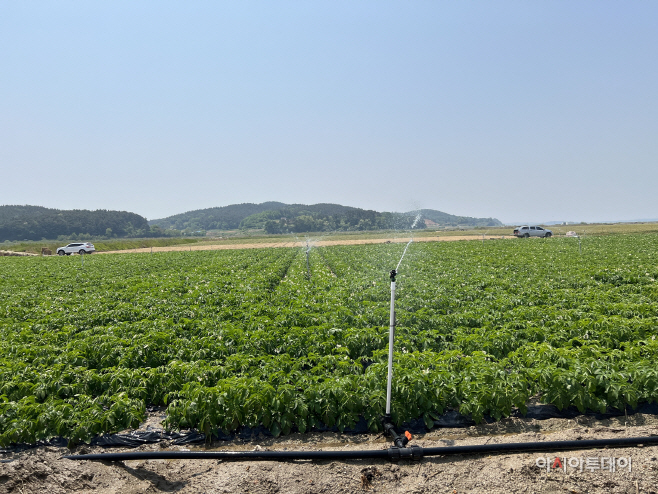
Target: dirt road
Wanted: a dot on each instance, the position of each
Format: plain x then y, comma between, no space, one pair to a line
42,470
318,243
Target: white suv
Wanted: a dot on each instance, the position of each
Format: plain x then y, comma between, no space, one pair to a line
532,231
79,247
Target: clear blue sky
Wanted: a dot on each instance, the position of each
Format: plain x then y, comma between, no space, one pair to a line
519,110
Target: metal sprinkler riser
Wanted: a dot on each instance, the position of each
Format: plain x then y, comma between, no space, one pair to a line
387,422
391,338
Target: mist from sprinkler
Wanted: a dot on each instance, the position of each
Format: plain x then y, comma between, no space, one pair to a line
579,237
418,216
308,266
413,225
403,253
307,245
580,248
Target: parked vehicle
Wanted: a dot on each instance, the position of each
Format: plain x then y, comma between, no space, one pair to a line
532,231
76,247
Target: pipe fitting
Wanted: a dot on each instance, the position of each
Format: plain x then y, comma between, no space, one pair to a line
400,440
411,453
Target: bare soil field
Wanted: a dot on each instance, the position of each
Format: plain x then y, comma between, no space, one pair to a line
301,243
42,469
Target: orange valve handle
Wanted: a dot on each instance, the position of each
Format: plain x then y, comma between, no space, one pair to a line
408,435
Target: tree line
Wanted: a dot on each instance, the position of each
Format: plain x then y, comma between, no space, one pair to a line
36,223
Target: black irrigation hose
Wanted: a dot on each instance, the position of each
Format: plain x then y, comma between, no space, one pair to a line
234,455
411,453
542,446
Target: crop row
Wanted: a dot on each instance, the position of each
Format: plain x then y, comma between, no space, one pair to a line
232,338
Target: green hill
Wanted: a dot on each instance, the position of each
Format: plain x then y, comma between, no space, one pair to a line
277,217
220,218
36,222
445,219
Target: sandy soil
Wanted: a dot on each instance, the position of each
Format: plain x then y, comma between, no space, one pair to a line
319,243
12,253
42,470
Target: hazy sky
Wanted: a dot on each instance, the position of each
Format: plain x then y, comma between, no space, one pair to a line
518,110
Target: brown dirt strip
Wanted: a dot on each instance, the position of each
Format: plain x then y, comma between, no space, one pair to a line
12,253
320,243
43,470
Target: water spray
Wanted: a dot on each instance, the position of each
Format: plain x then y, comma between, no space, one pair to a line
309,245
308,267
580,249
403,253
416,220
413,225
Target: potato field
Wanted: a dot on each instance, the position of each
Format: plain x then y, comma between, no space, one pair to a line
227,339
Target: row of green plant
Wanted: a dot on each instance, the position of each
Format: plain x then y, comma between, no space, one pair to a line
240,338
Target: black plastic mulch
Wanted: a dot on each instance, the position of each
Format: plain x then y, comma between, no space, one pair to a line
450,419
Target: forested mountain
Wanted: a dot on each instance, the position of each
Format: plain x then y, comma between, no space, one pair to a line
445,219
300,218
277,217
36,222
220,218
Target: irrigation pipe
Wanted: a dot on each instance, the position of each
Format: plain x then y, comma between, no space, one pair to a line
393,454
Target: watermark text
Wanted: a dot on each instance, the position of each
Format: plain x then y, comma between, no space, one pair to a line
580,464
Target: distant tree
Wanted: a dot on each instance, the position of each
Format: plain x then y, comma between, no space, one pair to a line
305,223
272,227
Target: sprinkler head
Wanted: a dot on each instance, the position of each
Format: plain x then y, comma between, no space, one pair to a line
393,274
400,441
